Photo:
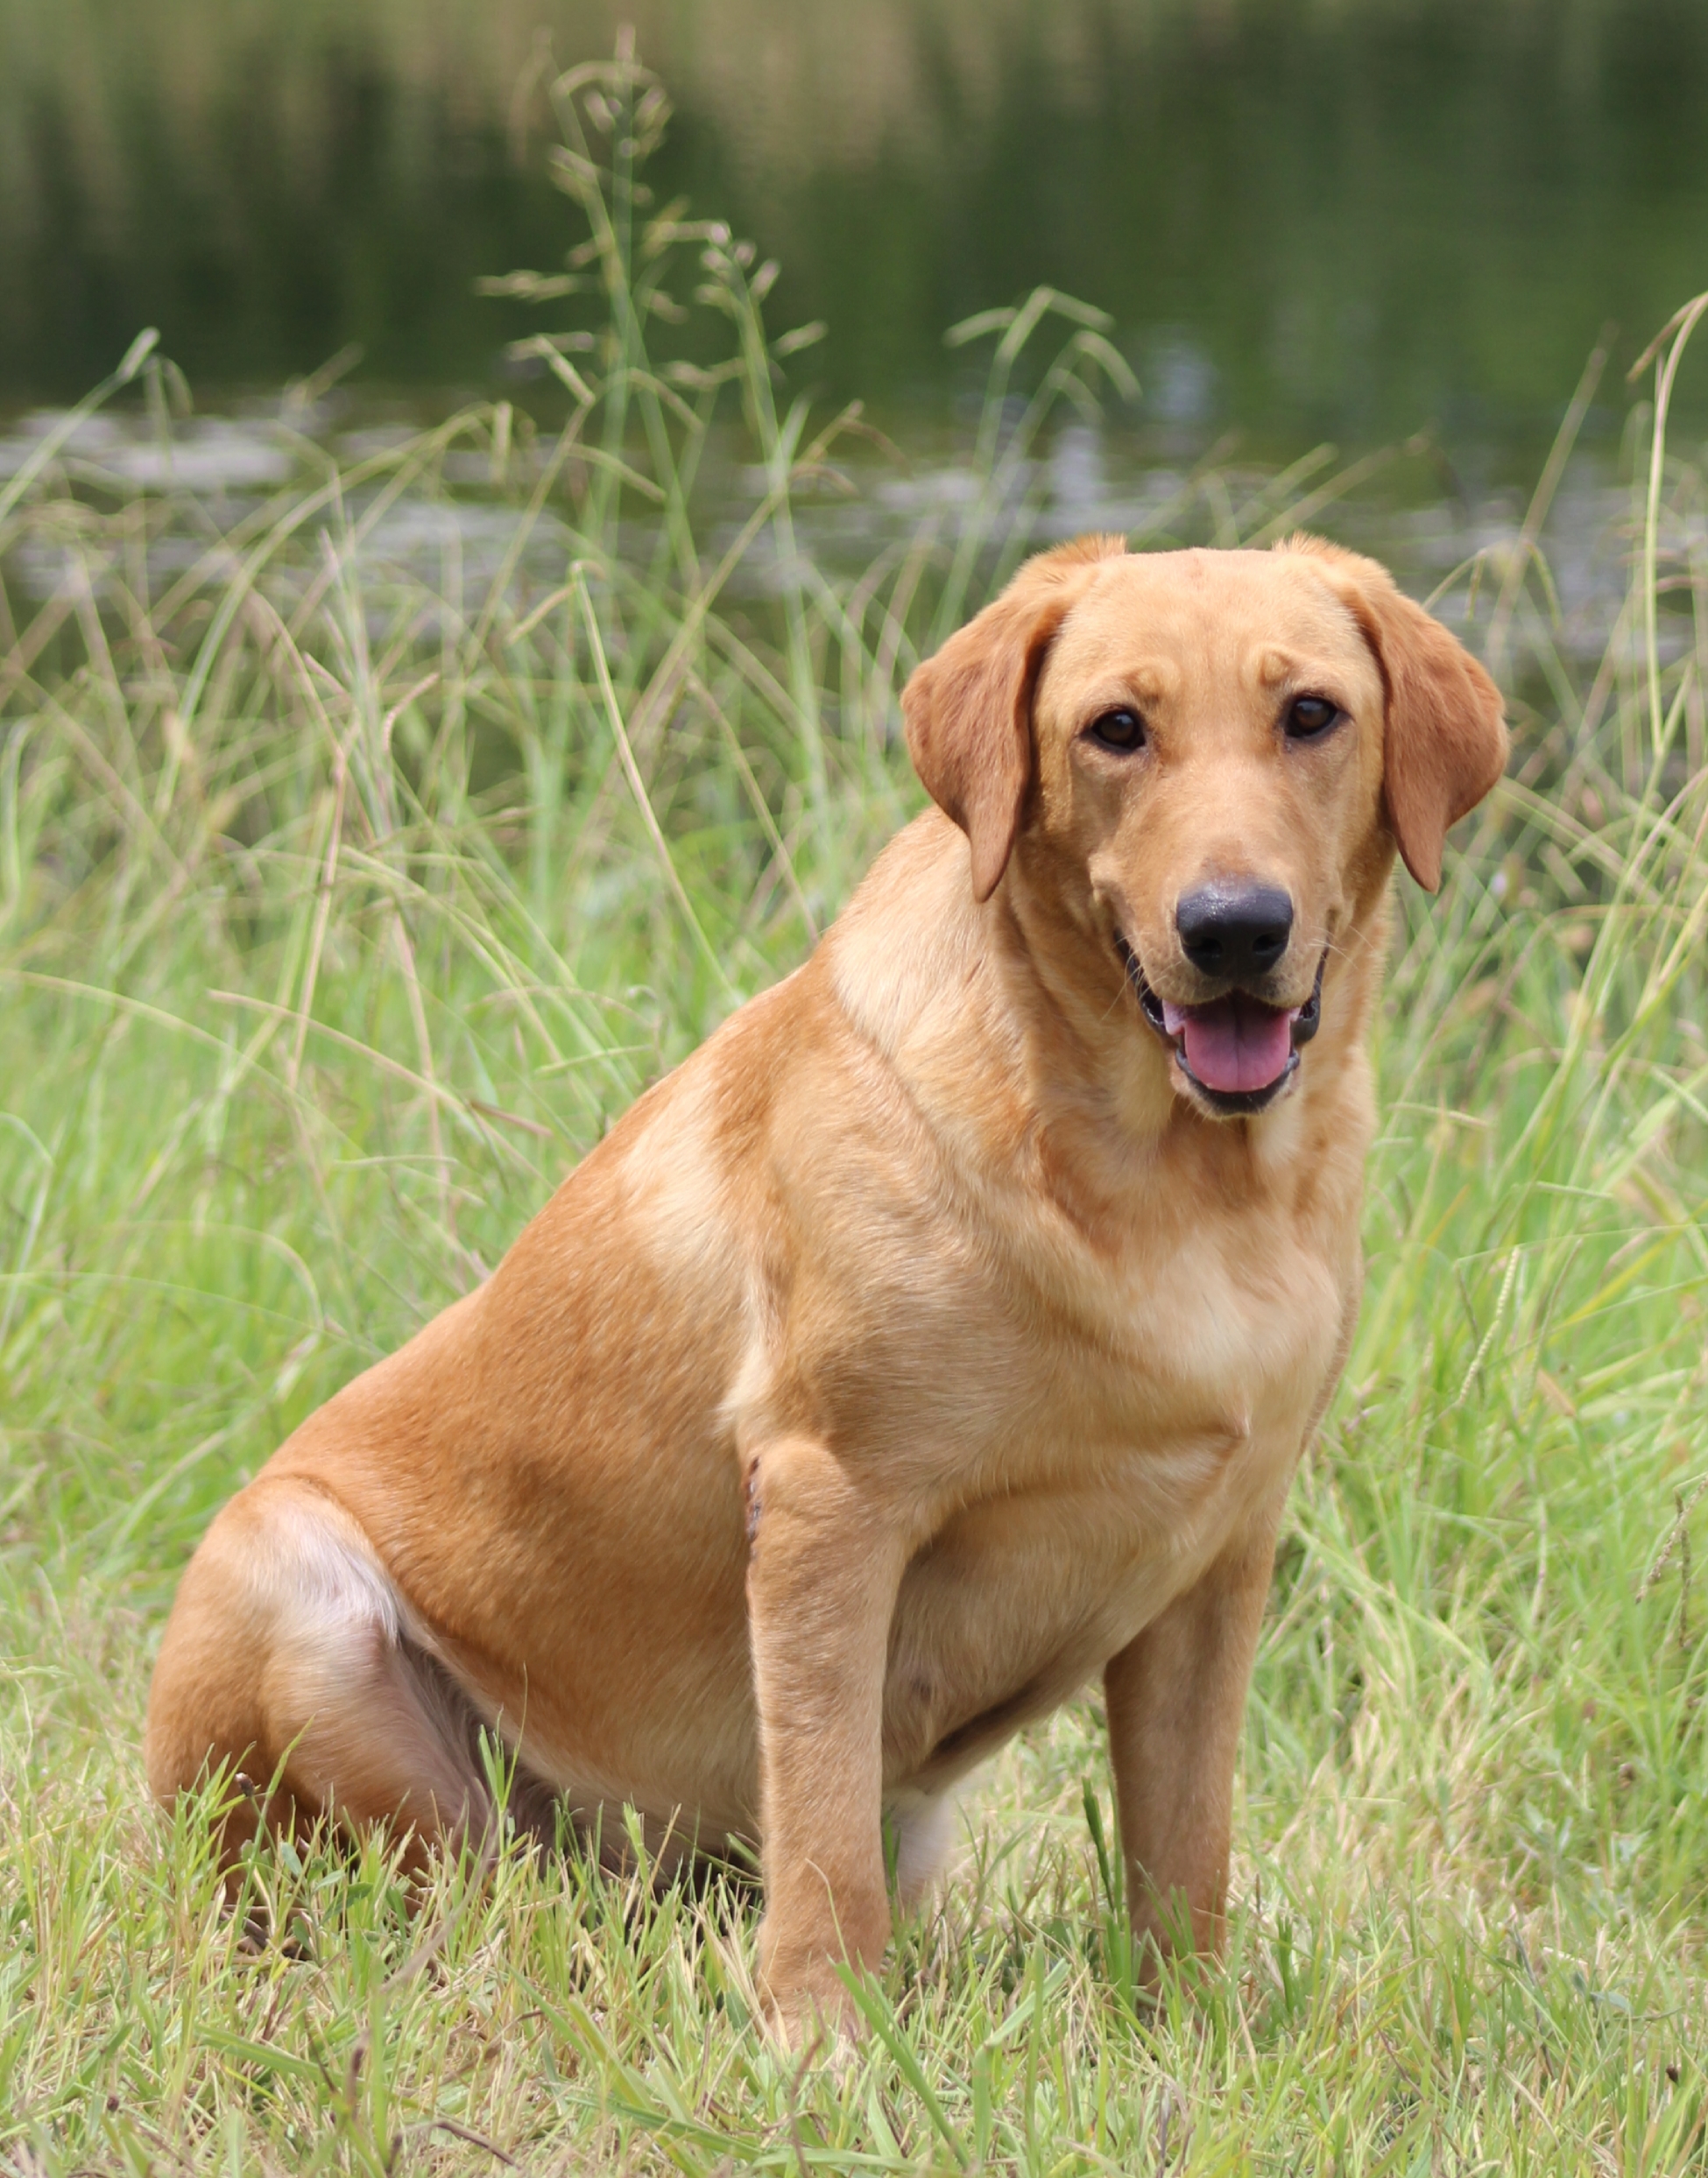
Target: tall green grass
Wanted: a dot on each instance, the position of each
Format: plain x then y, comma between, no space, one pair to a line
344,900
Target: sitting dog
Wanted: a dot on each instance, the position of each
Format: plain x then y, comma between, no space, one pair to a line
943,1333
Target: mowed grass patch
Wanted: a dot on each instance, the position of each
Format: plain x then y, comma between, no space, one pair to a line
351,884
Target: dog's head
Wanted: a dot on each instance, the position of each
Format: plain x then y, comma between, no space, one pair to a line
1209,758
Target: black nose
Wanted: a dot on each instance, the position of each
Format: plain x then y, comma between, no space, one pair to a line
1234,930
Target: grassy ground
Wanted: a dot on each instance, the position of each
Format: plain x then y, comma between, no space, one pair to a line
343,900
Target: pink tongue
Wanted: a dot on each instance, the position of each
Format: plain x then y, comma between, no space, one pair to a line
1236,1044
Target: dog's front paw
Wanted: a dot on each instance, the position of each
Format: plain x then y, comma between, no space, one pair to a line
814,2033
806,2000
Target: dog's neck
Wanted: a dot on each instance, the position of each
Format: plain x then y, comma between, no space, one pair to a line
1014,1030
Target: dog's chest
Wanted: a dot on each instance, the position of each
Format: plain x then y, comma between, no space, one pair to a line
1157,1416
1211,1330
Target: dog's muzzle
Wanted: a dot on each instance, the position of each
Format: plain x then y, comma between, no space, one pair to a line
1237,1053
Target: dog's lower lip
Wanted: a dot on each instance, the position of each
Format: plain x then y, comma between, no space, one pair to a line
1305,1021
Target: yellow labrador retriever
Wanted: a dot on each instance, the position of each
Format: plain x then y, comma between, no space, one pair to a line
943,1333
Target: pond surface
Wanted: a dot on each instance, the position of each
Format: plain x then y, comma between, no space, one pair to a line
460,534
1353,220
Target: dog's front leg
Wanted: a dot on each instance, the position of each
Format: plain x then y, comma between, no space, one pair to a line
1175,1697
824,1569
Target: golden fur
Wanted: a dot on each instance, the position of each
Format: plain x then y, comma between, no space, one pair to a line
922,1347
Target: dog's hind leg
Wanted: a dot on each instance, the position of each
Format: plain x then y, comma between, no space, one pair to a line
288,1659
923,1824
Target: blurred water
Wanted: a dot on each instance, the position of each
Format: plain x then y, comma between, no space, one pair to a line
453,541
1351,220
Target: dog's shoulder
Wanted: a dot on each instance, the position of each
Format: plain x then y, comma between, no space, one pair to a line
905,947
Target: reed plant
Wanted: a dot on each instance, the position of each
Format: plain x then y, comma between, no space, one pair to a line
366,845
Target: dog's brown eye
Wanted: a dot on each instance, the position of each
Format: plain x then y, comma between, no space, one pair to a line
1124,731
1310,715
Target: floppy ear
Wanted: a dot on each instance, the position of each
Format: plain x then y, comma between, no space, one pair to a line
1445,741
969,709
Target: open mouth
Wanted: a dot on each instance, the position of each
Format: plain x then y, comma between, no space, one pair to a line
1237,1053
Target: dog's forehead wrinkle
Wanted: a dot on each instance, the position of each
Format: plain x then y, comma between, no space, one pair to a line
1272,666
1145,679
